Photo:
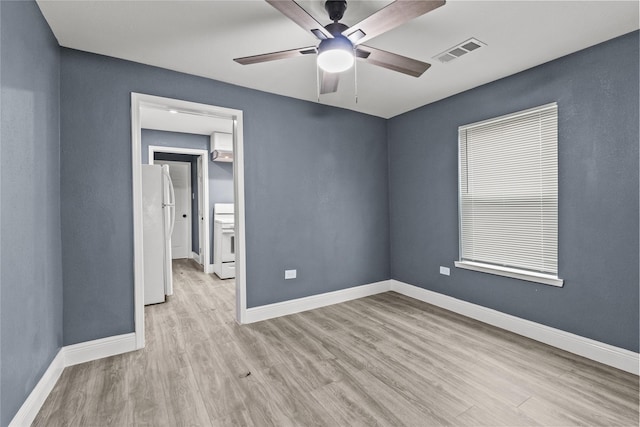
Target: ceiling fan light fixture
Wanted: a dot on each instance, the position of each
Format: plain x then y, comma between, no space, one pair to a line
335,55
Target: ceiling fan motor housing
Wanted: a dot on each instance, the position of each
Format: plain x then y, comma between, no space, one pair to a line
336,28
335,9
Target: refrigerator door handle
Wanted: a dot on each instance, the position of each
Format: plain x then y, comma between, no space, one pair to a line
171,204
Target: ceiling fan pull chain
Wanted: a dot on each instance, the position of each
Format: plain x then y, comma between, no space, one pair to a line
318,81
355,71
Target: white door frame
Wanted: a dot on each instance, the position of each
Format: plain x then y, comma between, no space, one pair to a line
190,201
201,211
190,222
203,186
141,100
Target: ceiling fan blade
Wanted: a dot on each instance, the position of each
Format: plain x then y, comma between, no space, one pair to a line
392,61
297,14
388,18
328,82
265,57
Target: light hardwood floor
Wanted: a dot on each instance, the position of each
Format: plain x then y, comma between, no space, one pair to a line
381,360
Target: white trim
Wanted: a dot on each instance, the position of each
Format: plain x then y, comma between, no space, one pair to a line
509,116
196,258
211,268
31,406
98,349
604,353
92,350
270,311
529,276
68,356
239,213
138,250
202,210
137,101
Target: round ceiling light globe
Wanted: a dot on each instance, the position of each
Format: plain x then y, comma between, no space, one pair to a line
335,61
335,55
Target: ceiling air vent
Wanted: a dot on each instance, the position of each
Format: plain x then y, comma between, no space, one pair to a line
459,50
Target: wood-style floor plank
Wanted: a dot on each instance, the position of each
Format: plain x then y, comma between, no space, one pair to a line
385,360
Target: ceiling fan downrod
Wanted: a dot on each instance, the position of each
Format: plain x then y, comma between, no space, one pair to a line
335,9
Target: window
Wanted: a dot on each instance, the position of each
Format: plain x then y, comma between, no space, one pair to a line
509,195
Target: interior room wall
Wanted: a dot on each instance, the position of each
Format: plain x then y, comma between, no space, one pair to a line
220,173
597,94
30,243
317,194
315,190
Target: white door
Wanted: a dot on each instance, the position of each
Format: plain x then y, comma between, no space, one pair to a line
181,237
153,234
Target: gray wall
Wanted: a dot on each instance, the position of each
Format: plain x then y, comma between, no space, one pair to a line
317,194
220,173
315,188
597,94
30,263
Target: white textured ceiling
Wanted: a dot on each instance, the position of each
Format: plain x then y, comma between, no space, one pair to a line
203,37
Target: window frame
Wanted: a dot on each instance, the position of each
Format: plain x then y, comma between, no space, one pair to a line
507,271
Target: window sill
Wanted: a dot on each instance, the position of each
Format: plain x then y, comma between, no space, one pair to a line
546,279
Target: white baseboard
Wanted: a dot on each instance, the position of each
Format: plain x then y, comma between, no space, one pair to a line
604,353
30,408
68,356
210,268
92,350
98,349
196,257
270,311
595,350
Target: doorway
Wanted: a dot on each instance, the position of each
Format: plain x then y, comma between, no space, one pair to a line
201,245
141,103
180,172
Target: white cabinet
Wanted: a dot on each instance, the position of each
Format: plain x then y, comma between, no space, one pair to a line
221,147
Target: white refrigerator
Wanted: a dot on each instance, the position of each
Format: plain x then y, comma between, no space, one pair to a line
158,207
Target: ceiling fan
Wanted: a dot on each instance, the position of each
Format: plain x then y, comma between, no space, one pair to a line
341,45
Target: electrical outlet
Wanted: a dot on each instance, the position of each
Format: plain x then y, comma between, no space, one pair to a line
290,274
445,270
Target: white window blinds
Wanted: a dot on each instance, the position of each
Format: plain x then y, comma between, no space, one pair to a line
509,191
